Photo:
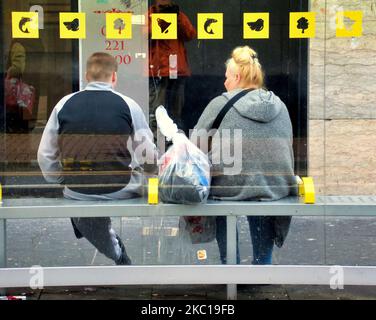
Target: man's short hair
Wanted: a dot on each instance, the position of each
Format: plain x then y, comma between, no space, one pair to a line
100,66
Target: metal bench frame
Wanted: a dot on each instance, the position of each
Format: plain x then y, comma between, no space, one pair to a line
230,274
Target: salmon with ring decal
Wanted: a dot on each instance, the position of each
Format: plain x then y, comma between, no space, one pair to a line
22,23
207,24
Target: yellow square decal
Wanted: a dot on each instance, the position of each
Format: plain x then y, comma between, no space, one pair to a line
72,25
349,24
256,25
210,26
118,25
25,25
164,26
302,24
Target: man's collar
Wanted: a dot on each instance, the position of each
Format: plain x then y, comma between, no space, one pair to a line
97,85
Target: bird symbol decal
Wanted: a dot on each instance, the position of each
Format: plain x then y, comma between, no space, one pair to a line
207,24
22,23
73,25
256,25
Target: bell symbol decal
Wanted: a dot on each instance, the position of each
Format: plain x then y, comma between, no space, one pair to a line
163,25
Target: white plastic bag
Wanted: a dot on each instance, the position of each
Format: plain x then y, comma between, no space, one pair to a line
184,173
184,177
184,170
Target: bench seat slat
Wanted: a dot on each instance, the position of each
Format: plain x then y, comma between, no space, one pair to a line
28,208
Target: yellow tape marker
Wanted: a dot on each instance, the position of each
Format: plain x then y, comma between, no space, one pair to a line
201,255
85,165
300,186
153,191
68,164
309,190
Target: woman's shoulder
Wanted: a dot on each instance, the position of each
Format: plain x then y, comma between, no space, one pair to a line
219,100
210,112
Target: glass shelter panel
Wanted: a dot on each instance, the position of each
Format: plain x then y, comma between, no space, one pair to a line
313,115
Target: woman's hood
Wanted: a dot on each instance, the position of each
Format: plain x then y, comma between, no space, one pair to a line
258,105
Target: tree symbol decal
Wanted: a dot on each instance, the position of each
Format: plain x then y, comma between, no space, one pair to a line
303,24
119,24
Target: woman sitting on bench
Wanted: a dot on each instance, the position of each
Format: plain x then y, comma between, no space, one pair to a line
264,149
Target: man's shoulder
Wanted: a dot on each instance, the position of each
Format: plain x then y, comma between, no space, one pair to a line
129,101
64,100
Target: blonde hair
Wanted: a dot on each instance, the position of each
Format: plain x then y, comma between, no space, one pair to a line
244,61
100,66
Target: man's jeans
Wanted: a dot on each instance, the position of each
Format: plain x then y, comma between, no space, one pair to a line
99,232
262,235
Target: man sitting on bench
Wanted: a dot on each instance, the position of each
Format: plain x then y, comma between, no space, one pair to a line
94,144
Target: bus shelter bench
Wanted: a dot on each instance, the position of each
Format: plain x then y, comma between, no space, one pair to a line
230,274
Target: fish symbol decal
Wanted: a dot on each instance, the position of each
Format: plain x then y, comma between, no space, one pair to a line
73,25
207,25
22,23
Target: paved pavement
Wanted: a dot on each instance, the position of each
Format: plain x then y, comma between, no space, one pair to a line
155,240
199,292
